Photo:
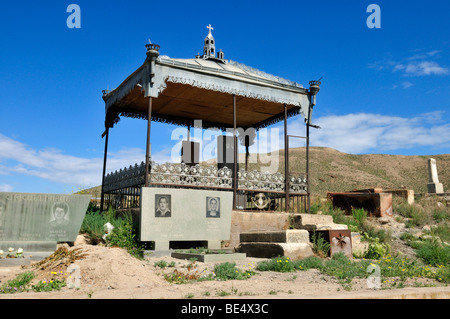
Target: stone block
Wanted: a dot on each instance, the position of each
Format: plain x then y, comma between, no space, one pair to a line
407,194
313,222
285,236
271,250
358,247
435,188
244,222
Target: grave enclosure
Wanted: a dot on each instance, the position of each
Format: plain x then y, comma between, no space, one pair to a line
187,200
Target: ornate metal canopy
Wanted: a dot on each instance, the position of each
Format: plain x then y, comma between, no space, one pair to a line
184,90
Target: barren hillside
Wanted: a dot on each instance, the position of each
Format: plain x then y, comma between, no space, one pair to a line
332,170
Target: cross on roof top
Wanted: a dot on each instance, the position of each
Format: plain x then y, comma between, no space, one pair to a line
210,28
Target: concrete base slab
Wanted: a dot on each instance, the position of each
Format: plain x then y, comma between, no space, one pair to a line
26,260
29,246
271,250
157,253
312,222
435,188
210,257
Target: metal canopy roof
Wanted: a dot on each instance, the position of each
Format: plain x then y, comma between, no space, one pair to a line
184,90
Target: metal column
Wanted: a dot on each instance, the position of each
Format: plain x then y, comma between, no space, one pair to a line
147,153
286,160
235,154
106,133
308,199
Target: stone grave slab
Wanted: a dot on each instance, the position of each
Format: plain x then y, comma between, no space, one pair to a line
36,222
170,214
434,186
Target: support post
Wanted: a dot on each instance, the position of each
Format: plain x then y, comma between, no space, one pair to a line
147,153
308,199
235,154
106,135
286,160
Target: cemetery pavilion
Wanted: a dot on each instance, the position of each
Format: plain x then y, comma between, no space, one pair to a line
222,94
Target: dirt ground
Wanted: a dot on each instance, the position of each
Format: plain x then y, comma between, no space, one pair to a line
111,273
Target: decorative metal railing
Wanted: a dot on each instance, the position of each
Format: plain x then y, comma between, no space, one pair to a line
133,176
183,175
263,191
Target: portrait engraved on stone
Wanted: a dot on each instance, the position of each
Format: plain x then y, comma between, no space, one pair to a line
162,205
59,215
213,207
2,211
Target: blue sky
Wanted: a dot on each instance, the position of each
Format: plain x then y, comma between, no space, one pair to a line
384,90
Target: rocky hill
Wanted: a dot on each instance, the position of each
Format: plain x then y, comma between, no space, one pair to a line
332,170
335,171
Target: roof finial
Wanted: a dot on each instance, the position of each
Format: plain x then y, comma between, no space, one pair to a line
210,28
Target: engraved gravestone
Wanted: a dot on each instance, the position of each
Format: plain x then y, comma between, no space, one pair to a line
169,214
434,186
36,222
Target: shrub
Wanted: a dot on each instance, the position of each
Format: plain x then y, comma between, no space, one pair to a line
359,214
228,271
17,284
309,263
54,284
342,267
124,236
280,264
376,249
320,246
434,253
441,231
415,213
160,264
93,225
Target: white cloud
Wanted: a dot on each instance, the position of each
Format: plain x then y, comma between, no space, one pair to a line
421,68
50,164
356,133
367,132
5,188
419,64
407,84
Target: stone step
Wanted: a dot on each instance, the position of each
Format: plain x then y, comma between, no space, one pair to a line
271,250
312,222
283,236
